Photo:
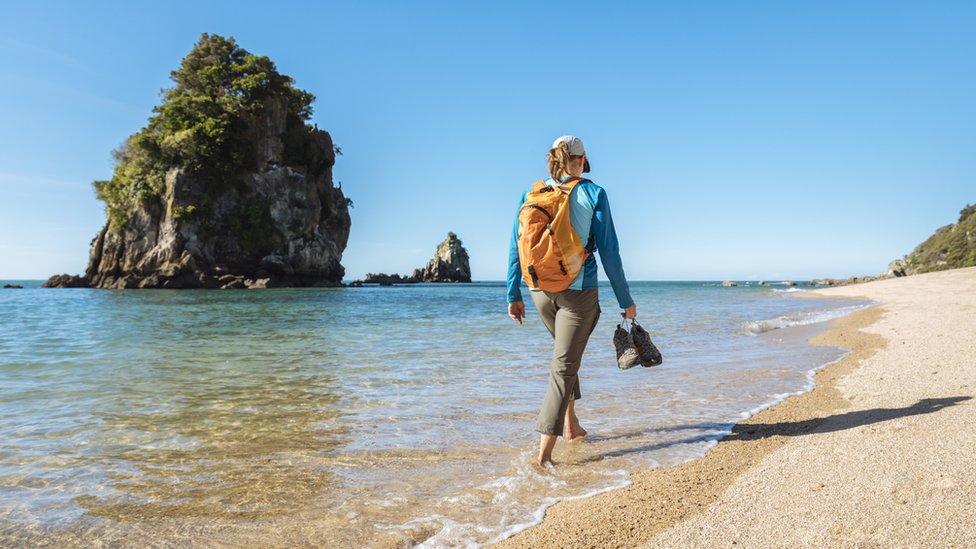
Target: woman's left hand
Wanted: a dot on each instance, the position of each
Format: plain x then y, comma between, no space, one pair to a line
630,313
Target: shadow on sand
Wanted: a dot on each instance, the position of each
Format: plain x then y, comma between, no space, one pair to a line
840,422
754,431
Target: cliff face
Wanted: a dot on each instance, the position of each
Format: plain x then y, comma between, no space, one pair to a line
281,226
951,247
449,264
227,186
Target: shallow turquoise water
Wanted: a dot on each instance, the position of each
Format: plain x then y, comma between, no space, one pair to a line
352,415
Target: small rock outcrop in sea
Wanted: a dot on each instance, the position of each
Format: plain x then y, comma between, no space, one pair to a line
449,264
13,287
827,282
763,283
66,281
384,279
729,284
789,283
228,186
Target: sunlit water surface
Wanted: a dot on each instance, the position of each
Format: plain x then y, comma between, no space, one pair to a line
357,416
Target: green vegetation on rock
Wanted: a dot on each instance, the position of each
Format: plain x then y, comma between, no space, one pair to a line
226,186
951,247
205,123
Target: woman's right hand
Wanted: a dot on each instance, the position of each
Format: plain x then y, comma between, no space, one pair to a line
516,311
630,313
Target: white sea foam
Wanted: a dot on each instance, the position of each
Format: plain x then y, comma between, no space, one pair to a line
540,512
788,290
799,319
453,533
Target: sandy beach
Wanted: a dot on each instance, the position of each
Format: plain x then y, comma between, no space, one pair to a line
880,453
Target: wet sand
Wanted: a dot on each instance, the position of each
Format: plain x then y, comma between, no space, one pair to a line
880,452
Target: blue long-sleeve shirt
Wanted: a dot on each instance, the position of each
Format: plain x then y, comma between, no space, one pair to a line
589,212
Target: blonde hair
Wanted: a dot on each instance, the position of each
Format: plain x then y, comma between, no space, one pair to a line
559,159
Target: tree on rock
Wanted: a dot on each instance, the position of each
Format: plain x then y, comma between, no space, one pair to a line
227,180
205,123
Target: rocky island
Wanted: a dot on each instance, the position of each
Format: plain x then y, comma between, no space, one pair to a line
227,186
449,264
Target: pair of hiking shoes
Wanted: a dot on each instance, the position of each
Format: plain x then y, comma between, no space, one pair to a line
634,346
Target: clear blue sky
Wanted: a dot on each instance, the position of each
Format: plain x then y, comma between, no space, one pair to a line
735,139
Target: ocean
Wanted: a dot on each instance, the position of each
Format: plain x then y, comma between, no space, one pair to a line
356,416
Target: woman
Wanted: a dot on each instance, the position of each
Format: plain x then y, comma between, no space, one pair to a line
569,314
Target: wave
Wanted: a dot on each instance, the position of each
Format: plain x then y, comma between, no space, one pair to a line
788,290
799,319
503,491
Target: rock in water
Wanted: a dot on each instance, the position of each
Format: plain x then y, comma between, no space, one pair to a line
449,264
227,186
729,283
66,281
384,279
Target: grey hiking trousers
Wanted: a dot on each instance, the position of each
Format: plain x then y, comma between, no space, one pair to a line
570,316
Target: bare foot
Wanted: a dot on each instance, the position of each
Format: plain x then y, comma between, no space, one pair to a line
546,444
573,433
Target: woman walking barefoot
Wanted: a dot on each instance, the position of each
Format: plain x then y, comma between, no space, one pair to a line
559,224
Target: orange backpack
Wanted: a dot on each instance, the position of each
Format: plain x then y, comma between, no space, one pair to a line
550,252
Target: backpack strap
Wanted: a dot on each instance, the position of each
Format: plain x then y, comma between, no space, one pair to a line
575,181
570,183
590,247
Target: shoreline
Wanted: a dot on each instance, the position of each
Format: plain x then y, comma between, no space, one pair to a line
848,424
876,454
659,498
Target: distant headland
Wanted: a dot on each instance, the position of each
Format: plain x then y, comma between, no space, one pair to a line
953,246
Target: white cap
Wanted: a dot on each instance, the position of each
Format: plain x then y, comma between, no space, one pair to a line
575,146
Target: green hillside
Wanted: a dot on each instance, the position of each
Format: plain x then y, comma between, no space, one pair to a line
951,247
